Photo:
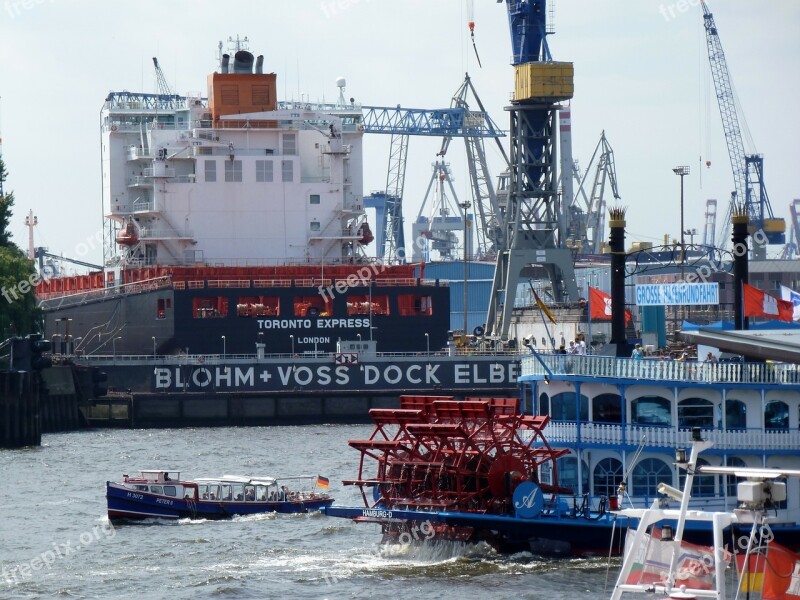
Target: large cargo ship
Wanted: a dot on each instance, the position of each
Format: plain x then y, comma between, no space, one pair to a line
234,220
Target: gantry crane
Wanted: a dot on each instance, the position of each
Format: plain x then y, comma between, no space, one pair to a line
401,123
748,169
792,247
535,225
711,224
586,220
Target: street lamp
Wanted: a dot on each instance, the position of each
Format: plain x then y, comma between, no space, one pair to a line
682,172
358,335
465,206
223,347
291,337
154,346
114,347
428,343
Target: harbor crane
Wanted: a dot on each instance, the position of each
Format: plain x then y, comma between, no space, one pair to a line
401,123
792,248
586,218
534,228
750,192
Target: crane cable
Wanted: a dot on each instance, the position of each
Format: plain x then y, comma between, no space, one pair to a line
471,24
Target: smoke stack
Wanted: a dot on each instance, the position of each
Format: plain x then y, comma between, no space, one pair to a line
617,244
223,67
242,62
260,64
740,268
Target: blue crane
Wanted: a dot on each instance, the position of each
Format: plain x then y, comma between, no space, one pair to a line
535,224
401,123
750,193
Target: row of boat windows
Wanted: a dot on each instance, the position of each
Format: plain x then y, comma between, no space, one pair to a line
216,307
264,172
604,480
239,492
657,410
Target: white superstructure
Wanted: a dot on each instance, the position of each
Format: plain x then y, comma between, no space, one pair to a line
235,179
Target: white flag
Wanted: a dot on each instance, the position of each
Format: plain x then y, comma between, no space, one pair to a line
794,298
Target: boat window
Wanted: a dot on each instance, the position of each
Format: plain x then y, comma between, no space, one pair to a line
312,306
414,305
731,488
249,492
607,477
568,473
211,307
290,144
213,493
226,493
258,306
360,305
233,171
313,199
647,474
607,408
238,491
735,414
261,493
696,412
211,170
170,490
287,171
544,404
156,489
651,410
702,485
776,415
563,407
141,488
264,171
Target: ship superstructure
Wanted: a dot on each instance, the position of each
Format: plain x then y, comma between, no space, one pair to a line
235,222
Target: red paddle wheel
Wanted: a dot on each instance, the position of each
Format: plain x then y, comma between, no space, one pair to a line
438,454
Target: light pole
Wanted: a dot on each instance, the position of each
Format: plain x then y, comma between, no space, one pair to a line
114,347
428,343
223,347
682,172
291,337
154,346
465,206
358,335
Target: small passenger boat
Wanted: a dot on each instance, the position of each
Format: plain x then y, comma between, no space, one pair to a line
164,495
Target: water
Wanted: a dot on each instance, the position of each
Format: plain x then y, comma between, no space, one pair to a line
55,539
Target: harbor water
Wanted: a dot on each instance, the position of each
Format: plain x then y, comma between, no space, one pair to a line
55,539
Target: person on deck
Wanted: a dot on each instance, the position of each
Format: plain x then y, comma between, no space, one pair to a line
637,353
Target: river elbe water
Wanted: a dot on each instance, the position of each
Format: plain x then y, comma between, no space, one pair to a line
56,542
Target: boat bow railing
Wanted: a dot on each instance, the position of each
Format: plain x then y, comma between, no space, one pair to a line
594,367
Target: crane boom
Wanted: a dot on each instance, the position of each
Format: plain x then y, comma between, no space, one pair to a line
750,191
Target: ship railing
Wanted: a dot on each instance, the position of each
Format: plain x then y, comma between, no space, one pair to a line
656,369
151,233
228,283
56,300
669,437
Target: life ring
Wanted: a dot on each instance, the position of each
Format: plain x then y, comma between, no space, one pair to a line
201,359
478,330
113,128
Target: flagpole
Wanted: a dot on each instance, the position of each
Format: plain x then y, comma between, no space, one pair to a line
589,321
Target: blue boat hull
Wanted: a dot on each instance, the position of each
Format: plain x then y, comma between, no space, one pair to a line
127,504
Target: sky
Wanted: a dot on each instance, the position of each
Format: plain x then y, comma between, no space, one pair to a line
641,75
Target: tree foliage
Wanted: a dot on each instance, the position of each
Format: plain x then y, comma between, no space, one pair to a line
18,312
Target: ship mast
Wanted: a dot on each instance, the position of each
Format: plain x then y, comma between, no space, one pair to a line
31,221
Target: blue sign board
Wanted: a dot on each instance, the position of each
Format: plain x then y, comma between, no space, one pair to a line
676,294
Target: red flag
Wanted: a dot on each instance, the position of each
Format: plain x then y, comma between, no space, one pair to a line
761,304
782,576
600,306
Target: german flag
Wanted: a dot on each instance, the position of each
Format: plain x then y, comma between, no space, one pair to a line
322,482
544,308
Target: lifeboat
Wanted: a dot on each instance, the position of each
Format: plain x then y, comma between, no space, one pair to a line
128,235
366,234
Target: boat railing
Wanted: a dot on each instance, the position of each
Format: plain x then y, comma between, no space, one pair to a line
56,300
660,370
631,434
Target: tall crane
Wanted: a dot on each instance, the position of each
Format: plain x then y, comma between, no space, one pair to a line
711,224
586,220
792,247
748,169
400,123
534,237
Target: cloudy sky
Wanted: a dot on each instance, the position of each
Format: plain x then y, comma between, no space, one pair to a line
641,75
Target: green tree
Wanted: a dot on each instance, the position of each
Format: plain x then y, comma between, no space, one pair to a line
18,312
